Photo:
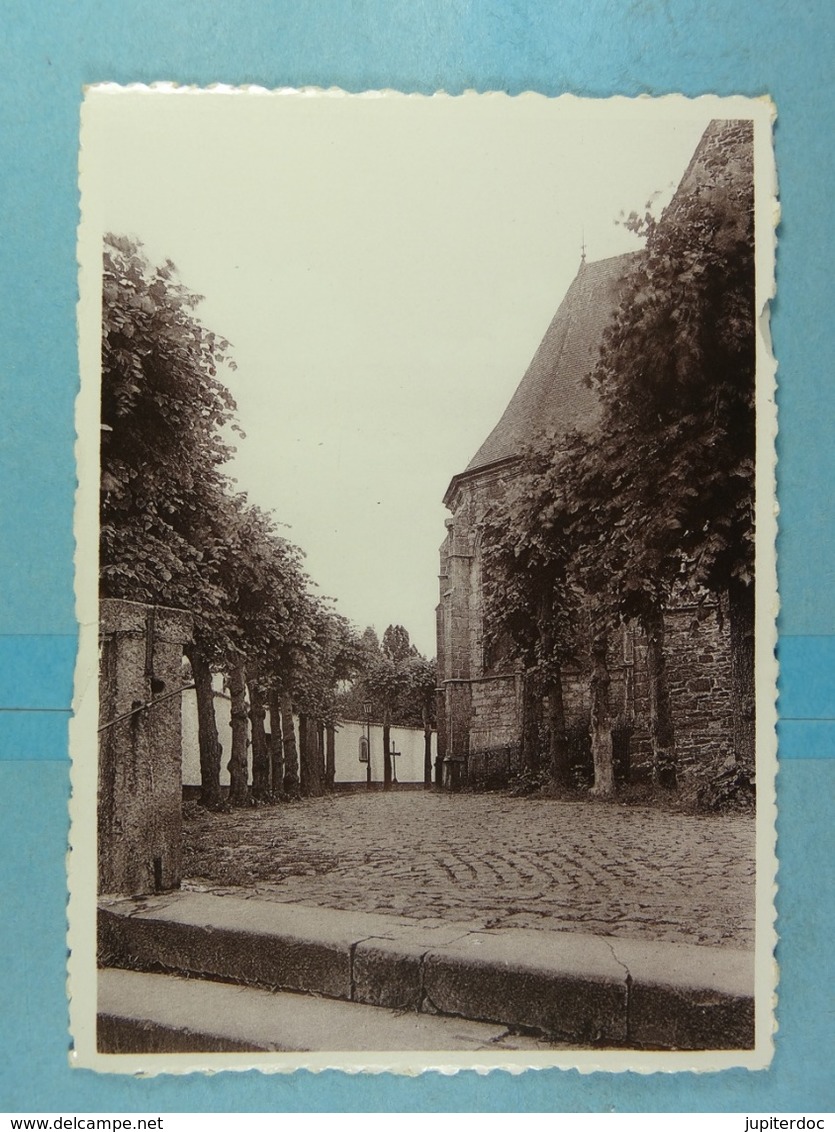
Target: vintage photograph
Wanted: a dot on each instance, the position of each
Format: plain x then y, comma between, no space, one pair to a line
425,708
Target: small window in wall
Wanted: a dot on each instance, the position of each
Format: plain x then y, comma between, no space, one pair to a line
363,750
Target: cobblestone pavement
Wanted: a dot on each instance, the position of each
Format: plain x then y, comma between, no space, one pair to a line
501,861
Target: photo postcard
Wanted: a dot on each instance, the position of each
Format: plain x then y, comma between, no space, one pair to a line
425,703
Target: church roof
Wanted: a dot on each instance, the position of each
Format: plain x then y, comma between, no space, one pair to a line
553,396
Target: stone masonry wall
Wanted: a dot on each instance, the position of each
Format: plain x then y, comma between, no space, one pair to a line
474,712
481,709
139,804
496,712
699,674
640,744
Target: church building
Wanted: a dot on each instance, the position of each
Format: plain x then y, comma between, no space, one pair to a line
482,708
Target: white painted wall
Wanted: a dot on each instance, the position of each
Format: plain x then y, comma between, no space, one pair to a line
408,767
409,740
191,746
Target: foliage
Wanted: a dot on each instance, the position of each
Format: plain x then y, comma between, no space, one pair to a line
734,788
532,599
331,654
659,496
396,645
676,383
172,530
394,678
163,409
422,683
527,782
266,587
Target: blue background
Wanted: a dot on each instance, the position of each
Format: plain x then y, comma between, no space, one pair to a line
591,47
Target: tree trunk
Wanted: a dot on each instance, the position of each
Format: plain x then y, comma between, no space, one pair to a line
427,746
559,762
304,754
330,756
558,754
210,748
291,751
741,612
531,715
317,756
662,734
601,722
310,758
260,753
238,768
386,750
276,751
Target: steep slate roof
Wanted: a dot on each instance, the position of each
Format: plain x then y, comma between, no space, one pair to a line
552,395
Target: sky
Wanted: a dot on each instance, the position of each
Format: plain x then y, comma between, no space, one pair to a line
384,267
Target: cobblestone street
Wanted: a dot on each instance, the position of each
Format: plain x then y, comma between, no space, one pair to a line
497,860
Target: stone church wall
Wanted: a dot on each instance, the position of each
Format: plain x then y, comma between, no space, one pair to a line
496,712
476,710
699,675
481,705
481,708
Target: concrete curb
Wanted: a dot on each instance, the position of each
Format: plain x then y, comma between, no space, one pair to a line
590,989
142,1013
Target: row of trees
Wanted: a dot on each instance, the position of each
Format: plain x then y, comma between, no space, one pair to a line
174,531
657,502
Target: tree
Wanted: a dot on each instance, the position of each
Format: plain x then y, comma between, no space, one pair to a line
261,761
163,491
531,595
172,530
422,683
617,559
270,608
385,683
398,683
676,383
214,636
162,411
657,500
331,654
396,644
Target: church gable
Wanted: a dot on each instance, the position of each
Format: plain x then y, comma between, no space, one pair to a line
553,394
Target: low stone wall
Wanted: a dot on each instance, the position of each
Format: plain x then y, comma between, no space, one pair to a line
492,766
